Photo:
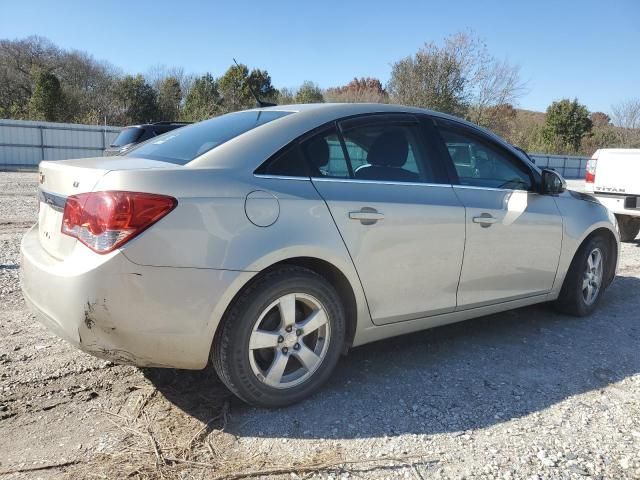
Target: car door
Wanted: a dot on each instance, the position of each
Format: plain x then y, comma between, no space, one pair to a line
390,197
514,234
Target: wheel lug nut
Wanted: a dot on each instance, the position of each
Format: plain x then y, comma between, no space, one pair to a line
296,346
299,332
280,339
289,328
285,350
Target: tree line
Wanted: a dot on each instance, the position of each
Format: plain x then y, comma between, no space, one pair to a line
40,81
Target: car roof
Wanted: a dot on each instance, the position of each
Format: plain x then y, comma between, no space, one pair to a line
253,147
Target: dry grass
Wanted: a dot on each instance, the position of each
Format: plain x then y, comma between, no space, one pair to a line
160,440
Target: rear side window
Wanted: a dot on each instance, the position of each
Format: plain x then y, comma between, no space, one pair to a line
325,155
481,163
288,163
320,155
127,136
388,151
184,144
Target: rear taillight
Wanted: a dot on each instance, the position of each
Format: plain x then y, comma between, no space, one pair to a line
104,221
590,175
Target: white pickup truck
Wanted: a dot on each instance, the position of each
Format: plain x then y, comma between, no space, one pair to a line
613,177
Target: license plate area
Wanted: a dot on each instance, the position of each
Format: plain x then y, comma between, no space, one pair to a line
631,203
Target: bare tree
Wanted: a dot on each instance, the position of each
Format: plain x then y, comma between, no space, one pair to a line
626,115
497,83
459,77
489,81
19,59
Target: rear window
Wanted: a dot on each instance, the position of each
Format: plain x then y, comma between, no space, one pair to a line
182,145
127,136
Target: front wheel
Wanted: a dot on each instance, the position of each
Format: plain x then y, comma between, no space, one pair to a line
585,281
281,339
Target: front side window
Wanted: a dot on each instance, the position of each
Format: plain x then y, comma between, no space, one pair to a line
480,163
184,144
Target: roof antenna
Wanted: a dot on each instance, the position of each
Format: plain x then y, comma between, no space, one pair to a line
259,103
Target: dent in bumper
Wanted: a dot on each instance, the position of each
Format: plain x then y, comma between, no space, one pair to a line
127,313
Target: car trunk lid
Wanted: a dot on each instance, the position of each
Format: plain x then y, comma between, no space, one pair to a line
60,179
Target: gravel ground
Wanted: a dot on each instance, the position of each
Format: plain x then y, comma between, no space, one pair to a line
523,394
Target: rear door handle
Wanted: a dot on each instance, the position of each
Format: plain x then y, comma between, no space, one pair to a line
485,220
366,215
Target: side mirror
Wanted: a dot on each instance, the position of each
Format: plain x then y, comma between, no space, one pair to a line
552,182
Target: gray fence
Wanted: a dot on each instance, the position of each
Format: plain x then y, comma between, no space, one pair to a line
567,166
24,143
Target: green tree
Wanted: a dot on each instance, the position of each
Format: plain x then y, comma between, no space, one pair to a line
136,99
203,99
309,92
47,101
432,78
260,81
235,91
169,98
566,123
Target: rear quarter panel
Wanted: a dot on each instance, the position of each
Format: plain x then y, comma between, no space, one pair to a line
209,229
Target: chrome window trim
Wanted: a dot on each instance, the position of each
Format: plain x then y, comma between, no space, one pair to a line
352,180
380,182
492,189
57,202
281,177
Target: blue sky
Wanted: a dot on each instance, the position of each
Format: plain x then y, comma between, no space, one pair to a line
586,49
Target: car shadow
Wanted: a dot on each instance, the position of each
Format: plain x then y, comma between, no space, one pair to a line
458,377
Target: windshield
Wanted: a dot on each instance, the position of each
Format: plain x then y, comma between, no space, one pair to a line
127,136
184,144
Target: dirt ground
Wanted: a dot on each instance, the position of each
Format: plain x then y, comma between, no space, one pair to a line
523,394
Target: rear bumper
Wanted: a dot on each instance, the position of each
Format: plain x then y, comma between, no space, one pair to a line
619,203
117,310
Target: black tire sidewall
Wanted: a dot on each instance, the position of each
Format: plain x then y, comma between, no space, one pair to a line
238,325
574,300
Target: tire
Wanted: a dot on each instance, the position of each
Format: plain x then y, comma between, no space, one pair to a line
629,227
574,298
254,342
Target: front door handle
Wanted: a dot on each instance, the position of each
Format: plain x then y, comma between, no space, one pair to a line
485,220
366,215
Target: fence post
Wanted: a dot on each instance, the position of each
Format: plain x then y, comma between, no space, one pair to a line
41,128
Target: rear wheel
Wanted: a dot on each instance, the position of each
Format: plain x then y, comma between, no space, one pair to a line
585,281
281,338
629,227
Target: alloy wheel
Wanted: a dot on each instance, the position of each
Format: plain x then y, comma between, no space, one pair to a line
592,277
289,340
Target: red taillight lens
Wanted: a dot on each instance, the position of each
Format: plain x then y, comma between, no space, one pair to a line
104,221
590,175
